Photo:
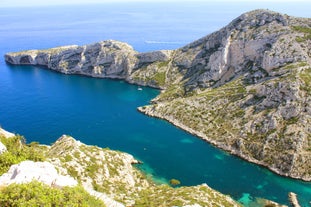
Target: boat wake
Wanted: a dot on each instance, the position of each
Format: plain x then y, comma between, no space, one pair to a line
164,42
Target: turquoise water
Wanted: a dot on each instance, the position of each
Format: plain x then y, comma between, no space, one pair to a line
42,105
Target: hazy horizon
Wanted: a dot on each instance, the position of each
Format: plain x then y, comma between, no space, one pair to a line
298,8
31,3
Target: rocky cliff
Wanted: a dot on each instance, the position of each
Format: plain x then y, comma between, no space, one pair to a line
107,59
106,174
244,88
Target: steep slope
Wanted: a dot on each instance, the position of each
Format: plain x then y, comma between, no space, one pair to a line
244,88
254,44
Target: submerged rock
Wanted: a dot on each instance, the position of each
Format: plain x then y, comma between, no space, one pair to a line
293,199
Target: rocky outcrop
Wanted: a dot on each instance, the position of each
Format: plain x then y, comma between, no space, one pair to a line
111,177
293,199
28,171
95,165
244,88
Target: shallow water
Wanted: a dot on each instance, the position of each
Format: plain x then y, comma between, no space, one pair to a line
42,105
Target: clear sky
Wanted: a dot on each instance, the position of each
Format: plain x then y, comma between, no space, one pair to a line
14,3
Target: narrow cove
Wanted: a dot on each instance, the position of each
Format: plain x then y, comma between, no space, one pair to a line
42,105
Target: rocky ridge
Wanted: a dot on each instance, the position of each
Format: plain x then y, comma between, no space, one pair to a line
244,88
106,174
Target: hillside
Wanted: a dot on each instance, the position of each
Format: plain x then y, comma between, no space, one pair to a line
244,88
70,173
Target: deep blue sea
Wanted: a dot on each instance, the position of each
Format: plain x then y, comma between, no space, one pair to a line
42,105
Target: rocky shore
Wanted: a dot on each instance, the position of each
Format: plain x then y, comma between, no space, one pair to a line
244,88
201,135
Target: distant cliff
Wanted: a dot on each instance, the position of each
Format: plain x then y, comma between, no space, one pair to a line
107,59
244,88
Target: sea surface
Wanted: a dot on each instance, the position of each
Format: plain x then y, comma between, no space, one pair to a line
42,105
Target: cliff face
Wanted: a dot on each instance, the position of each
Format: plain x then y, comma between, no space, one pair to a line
244,88
253,44
107,59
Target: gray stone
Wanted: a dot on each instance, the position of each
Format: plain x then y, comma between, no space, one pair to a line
28,171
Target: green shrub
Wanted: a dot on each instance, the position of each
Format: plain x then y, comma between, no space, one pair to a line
305,30
163,64
18,151
160,78
68,158
174,182
38,194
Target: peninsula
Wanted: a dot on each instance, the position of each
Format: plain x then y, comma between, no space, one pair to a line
244,88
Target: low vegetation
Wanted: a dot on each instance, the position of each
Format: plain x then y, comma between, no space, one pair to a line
174,182
38,194
164,195
306,33
159,78
18,151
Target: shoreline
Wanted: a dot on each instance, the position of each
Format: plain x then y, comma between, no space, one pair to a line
220,146
87,75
